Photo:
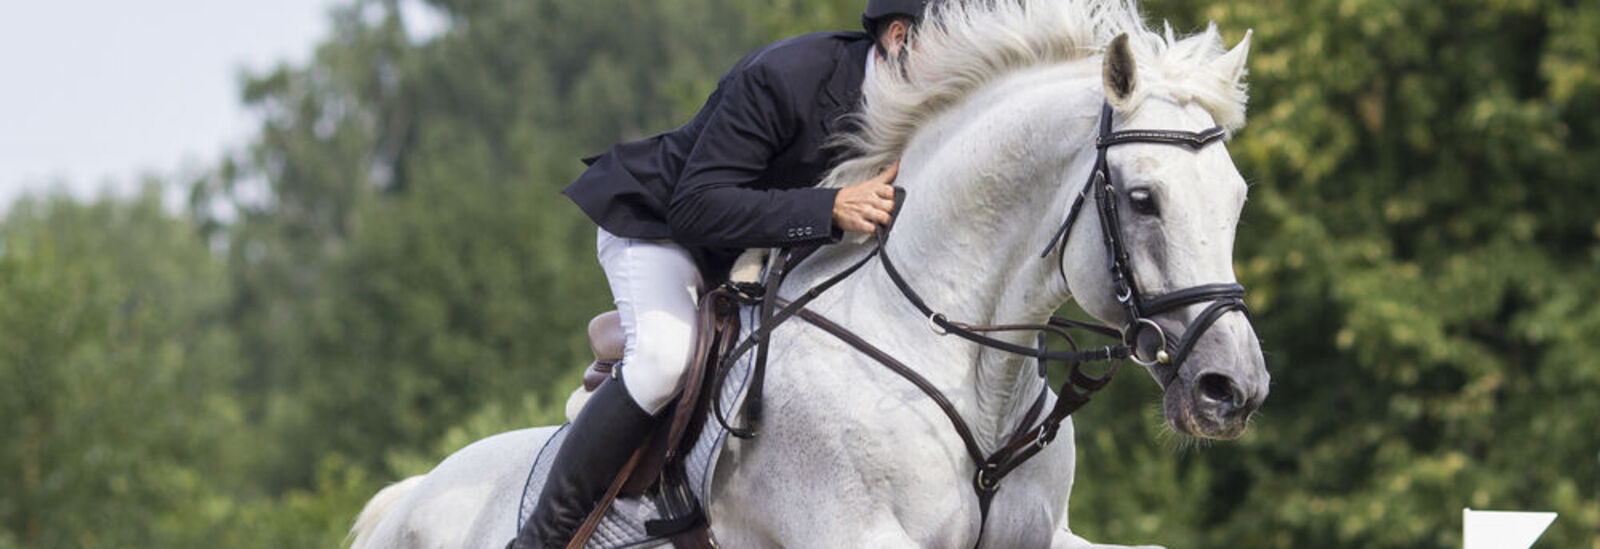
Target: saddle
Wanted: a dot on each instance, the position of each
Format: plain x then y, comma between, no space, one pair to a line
658,464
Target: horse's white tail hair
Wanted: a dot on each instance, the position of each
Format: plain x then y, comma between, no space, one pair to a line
377,508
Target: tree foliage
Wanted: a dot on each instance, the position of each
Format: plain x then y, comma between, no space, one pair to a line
115,375
1420,246
389,272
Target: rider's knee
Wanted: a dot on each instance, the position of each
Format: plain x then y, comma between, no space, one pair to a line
651,388
655,365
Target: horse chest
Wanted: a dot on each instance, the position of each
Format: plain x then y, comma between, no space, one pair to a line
871,454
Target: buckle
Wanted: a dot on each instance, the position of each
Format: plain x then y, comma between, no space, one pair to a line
1130,337
750,290
985,481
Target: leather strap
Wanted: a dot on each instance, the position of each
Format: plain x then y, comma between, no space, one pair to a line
1192,140
971,333
911,375
1190,296
698,537
1201,323
760,334
1025,444
592,523
753,402
720,322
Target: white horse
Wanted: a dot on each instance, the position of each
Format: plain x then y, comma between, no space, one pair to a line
996,121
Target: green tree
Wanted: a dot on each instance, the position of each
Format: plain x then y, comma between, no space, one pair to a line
1420,247
113,376
400,253
389,271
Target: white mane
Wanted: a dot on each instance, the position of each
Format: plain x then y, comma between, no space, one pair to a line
963,45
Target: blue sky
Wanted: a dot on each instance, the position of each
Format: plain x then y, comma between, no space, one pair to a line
94,93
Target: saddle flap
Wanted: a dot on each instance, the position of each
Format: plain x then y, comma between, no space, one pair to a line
661,487
717,325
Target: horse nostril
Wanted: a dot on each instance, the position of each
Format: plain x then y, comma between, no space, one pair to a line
1219,388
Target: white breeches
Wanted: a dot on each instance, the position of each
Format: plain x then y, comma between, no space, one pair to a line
655,284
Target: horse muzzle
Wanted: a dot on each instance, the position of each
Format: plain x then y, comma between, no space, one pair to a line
1223,381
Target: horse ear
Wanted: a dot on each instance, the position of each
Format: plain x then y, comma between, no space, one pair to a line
1231,65
1121,78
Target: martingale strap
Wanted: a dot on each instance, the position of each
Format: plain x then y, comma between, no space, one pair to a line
761,336
1025,443
971,333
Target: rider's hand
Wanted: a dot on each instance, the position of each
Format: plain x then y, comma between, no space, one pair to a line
863,206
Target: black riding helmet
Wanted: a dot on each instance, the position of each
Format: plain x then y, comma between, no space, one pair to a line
879,9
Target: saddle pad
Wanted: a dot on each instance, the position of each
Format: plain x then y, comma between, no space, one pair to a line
623,525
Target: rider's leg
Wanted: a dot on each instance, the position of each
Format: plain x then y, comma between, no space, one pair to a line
654,284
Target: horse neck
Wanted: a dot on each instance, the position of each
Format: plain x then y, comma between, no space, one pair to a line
970,248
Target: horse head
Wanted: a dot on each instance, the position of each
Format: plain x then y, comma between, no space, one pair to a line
1175,206
994,118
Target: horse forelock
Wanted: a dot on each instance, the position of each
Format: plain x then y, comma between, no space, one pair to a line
1181,69
964,45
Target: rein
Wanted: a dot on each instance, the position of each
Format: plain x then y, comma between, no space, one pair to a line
1074,392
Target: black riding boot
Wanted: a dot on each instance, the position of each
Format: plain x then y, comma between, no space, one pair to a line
599,442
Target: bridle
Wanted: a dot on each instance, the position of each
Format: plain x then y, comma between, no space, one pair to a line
1026,441
1137,307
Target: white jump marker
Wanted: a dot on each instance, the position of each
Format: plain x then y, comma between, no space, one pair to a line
1503,529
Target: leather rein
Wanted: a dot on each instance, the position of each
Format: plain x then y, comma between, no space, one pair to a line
1076,391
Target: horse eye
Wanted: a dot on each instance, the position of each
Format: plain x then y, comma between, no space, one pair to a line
1144,202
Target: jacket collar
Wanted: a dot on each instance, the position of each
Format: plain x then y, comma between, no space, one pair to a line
844,85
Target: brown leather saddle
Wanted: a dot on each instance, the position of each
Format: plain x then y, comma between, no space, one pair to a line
660,460
606,340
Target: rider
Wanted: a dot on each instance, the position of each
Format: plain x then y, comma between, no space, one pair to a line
675,209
